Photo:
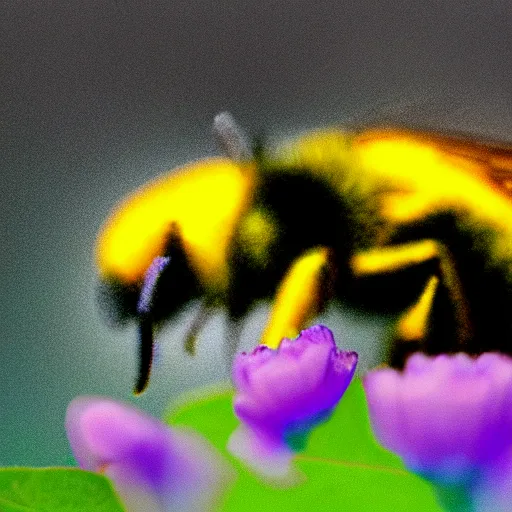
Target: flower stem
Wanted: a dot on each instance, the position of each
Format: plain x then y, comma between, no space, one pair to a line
455,498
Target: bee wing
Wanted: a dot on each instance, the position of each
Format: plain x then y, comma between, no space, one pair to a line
491,160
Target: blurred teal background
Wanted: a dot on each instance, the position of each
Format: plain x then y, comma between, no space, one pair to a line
97,97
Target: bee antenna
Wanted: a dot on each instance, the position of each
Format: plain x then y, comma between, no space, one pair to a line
144,311
149,285
231,138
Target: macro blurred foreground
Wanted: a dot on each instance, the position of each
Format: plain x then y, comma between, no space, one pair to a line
343,464
296,447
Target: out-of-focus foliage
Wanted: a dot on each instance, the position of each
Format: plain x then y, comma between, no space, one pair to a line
56,490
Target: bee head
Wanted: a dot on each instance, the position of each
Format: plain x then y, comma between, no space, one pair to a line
166,285
168,242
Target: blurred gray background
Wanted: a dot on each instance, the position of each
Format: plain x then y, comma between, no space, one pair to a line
97,97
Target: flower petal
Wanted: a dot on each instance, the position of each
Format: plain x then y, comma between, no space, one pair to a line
283,393
270,457
448,416
152,466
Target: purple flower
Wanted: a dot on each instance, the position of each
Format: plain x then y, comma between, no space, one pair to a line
283,393
494,492
153,468
448,417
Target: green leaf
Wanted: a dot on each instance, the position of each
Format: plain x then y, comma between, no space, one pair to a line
347,435
344,466
209,411
56,490
334,486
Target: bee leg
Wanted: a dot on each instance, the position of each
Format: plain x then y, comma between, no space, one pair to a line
198,323
300,296
233,334
146,347
414,324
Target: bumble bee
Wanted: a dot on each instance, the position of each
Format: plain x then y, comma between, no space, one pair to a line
384,220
